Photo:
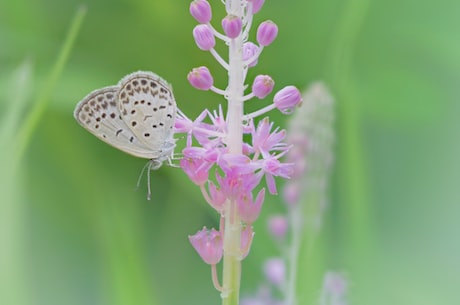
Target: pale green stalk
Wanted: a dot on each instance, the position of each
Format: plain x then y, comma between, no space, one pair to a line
13,283
38,108
314,121
232,229
15,134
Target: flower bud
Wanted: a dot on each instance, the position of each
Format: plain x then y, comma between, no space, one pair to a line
287,98
204,37
266,33
256,5
275,271
232,26
201,11
201,78
291,193
249,50
262,86
278,226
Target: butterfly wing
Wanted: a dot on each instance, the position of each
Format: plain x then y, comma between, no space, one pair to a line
99,114
147,106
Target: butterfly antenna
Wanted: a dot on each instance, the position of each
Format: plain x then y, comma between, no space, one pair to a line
142,174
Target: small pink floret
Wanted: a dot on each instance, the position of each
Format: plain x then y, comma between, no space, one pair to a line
262,86
266,33
287,98
201,11
278,226
256,5
204,37
208,244
250,50
248,208
247,235
232,26
196,169
291,193
201,78
275,271
217,198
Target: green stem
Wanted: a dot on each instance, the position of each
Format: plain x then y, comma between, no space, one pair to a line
33,117
352,170
231,260
232,229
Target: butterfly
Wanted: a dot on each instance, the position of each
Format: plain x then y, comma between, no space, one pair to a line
136,116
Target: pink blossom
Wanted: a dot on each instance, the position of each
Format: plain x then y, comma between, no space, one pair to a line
291,193
216,196
278,226
196,169
249,51
256,5
248,208
266,33
247,235
232,26
236,181
287,98
271,167
262,86
201,78
201,11
265,141
275,271
208,244
204,37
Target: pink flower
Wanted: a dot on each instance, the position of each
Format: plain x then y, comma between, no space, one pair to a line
278,226
256,5
271,167
249,51
262,86
232,26
237,180
196,169
217,198
208,244
201,11
275,271
218,120
247,234
291,193
264,141
201,78
266,33
287,98
204,37
185,125
248,208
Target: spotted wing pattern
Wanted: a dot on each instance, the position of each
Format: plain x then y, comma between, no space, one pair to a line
147,106
98,113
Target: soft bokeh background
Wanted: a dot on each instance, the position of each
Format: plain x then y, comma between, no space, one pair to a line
74,230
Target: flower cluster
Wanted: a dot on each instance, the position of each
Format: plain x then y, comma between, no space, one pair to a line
229,155
311,137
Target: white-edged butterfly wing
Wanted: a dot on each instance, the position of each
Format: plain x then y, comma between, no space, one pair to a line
147,106
98,113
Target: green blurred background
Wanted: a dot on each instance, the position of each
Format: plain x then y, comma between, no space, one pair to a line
74,230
